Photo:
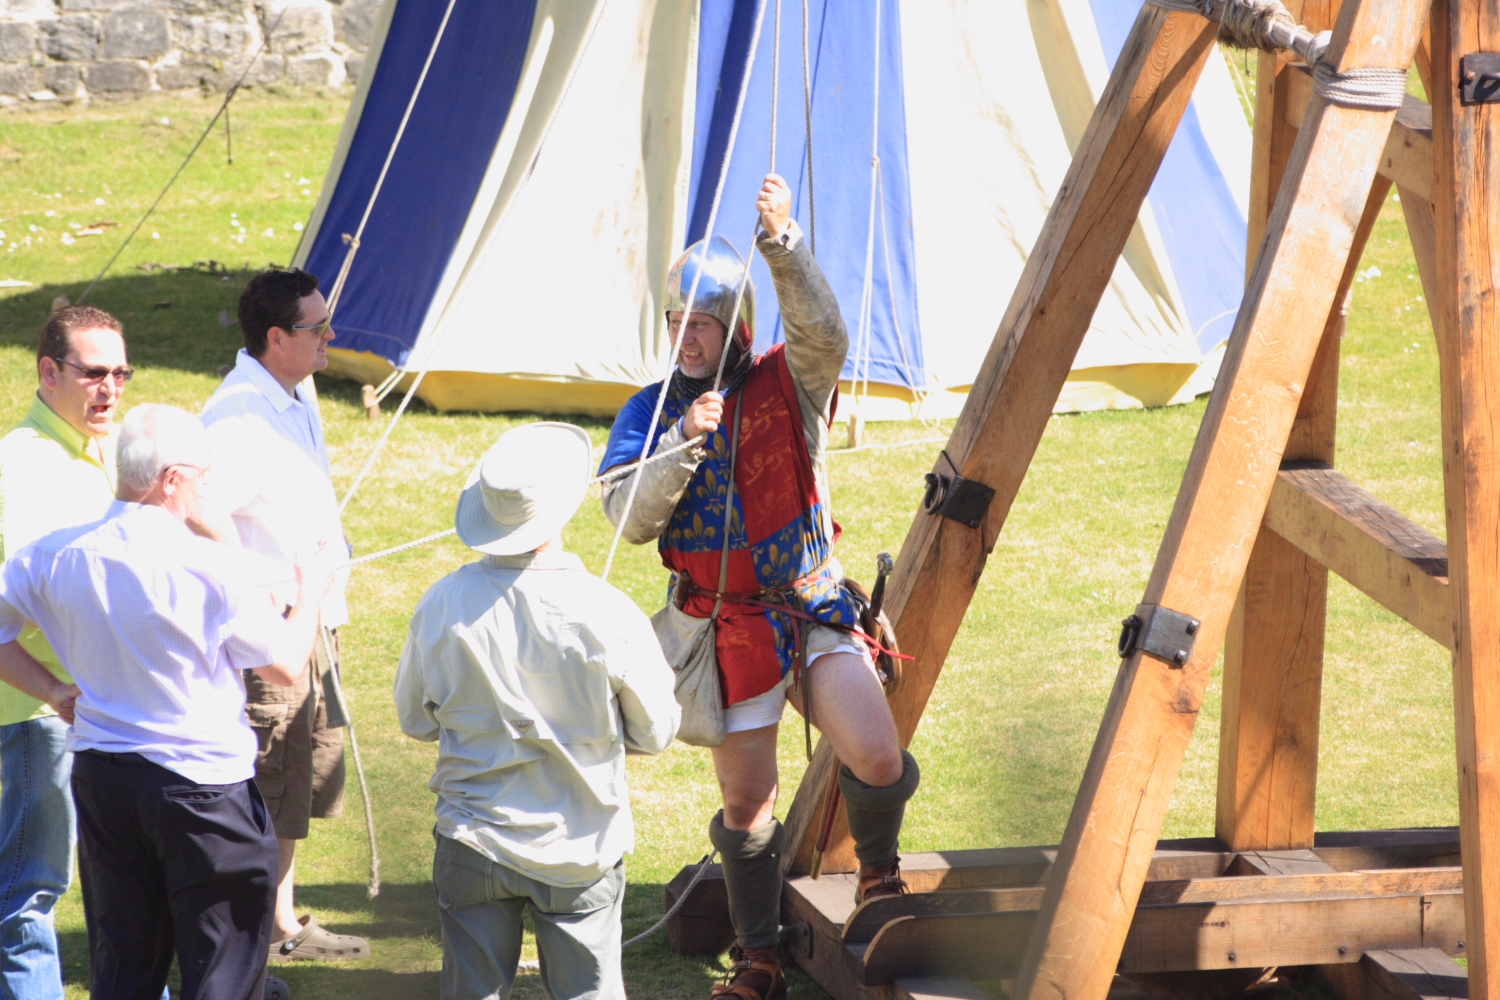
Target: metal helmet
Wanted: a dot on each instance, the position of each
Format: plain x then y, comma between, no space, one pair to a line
722,269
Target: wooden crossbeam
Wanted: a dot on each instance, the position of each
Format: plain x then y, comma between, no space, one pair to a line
1401,565
1178,937
1407,158
1128,782
867,919
1008,406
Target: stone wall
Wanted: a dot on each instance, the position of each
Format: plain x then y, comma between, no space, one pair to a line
79,49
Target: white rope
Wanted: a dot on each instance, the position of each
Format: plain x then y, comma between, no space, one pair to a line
687,312
499,228
812,216
867,294
890,286
708,859
372,889
1364,89
353,241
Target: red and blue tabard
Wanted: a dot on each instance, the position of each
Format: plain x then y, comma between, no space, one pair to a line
776,530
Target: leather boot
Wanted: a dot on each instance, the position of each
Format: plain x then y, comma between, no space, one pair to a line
755,975
880,880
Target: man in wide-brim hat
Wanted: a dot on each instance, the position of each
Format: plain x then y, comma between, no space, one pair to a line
535,677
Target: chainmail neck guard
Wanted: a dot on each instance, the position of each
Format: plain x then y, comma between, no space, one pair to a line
735,374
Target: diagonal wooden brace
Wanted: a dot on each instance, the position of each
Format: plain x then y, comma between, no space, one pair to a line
1131,773
1012,397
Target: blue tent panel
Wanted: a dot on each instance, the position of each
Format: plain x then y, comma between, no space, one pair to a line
435,174
1199,220
843,69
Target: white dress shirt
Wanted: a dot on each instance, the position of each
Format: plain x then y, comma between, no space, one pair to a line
534,676
155,626
270,470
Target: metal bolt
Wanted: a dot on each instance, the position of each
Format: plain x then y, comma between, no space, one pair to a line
1469,76
1231,956
1343,950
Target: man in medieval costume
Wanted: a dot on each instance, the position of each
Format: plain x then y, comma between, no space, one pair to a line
785,624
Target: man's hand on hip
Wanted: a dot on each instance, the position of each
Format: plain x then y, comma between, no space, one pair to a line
704,416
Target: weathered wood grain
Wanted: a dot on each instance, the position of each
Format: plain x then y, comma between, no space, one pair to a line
1133,768
1466,312
945,988
1367,542
1013,393
1413,974
1273,649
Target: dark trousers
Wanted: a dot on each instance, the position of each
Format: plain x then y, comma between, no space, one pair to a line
169,866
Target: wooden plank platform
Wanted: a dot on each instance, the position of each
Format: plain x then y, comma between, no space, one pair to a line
1351,894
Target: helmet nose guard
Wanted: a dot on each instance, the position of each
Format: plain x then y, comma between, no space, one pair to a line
722,268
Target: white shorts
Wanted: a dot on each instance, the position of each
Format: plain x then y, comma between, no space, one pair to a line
765,709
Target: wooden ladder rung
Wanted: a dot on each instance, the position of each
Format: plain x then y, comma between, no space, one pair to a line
1367,542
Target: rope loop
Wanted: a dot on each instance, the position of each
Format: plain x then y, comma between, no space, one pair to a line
1365,89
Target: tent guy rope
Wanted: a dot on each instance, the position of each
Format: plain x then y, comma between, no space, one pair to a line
708,235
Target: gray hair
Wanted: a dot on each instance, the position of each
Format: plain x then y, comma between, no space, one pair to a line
154,437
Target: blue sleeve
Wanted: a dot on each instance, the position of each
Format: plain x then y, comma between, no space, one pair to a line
629,432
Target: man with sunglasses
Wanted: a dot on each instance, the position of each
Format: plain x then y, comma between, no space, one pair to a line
57,470
272,494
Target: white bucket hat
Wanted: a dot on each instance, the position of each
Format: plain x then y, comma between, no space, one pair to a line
527,486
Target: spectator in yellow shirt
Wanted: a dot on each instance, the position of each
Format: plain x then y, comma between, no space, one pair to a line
57,469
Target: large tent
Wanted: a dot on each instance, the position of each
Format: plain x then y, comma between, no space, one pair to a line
549,174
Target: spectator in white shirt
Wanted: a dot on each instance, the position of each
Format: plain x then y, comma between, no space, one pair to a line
155,625
535,678
271,478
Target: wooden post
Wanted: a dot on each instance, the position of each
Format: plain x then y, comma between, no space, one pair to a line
1012,396
1128,783
1466,161
1273,652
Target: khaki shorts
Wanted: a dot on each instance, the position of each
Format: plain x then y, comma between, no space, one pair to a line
299,768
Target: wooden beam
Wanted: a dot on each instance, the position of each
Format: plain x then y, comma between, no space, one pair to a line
1132,771
1379,551
1414,974
1273,649
1008,406
938,988
1179,937
868,918
1407,158
1466,156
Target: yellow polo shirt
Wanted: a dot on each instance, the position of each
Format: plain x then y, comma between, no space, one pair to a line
52,476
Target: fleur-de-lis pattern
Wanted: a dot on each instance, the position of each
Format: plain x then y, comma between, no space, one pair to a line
780,529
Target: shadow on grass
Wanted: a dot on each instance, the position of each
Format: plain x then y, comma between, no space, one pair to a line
171,317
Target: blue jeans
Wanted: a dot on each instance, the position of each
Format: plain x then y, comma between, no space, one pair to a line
36,844
481,906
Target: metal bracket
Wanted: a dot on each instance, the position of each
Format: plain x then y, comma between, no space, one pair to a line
956,498
1160,631
1479,78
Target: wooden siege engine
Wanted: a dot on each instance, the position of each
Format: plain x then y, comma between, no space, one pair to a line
1260,518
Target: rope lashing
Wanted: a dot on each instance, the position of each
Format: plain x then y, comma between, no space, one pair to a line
1367,89
1268,26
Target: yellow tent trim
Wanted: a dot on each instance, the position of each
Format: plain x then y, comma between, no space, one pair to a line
1116,387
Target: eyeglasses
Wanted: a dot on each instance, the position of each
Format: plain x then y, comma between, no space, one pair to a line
90,374
322,327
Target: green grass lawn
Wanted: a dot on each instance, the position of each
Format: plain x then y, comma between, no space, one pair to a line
1006,734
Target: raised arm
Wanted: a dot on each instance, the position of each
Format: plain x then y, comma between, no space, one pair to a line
816,339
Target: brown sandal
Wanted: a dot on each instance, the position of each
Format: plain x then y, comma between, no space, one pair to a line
755,975
884,880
